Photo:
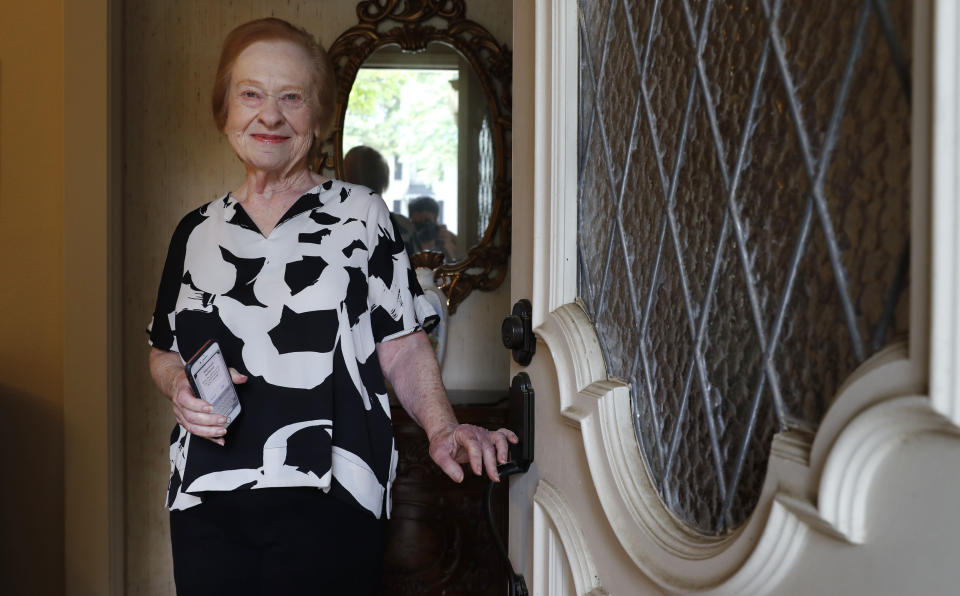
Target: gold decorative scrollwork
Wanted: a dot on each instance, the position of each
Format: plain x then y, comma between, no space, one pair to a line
409,11
403,23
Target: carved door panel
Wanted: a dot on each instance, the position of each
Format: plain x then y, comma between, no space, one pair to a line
737,175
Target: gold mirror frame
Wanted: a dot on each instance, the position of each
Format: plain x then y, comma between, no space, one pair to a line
404,23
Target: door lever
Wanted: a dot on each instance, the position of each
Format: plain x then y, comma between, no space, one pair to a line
520,419
517,332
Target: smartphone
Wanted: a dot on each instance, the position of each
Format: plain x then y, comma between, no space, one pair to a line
211,382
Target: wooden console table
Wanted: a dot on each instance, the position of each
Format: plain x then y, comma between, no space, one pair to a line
439,541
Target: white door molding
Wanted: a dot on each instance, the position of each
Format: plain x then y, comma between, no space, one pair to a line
877,408
555,157
940,144
821,483
555,525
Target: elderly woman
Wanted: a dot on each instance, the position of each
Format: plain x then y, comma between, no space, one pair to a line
301,281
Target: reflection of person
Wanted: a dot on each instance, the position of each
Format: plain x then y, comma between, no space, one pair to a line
427,233
301,281
365,165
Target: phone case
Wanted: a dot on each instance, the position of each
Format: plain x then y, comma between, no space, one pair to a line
220,391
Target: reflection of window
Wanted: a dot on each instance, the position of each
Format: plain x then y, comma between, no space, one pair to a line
485,174
739,251
411,115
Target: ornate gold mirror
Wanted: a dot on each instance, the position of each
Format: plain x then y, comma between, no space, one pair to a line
430,90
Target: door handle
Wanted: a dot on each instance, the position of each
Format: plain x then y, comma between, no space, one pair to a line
520,419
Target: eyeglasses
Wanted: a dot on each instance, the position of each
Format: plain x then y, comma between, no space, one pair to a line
253,97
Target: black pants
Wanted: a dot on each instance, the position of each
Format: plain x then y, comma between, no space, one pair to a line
288,541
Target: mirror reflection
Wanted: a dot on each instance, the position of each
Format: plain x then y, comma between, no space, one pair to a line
417,130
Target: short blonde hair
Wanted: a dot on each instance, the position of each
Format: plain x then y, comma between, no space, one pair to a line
272,29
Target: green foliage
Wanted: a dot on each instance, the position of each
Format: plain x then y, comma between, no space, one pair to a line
408,113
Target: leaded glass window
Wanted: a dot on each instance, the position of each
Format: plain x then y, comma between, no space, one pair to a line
743,211
485,176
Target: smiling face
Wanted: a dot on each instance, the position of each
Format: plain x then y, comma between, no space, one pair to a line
270,119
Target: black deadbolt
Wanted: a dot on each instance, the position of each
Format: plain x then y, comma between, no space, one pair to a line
517,332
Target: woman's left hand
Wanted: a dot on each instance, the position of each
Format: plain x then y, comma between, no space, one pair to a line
463,443
410,365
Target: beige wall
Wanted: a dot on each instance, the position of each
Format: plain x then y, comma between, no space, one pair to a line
93,502
31,296
175,160
57,513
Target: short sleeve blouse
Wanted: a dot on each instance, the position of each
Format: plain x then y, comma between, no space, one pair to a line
300,313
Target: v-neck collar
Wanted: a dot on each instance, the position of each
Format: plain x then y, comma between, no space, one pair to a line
308,201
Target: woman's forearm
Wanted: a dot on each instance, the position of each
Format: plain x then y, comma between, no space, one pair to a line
164,368
409,363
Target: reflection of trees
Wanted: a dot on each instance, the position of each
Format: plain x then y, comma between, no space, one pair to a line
410,113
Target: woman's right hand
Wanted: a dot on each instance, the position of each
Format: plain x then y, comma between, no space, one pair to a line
191,412
196,415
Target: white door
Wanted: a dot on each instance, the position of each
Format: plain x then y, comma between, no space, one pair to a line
861,501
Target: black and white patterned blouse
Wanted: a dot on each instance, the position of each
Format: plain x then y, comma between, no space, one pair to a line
299,312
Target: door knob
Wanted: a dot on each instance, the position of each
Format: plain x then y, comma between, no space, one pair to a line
517,332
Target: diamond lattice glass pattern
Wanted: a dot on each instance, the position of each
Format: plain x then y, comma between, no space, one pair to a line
743,182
